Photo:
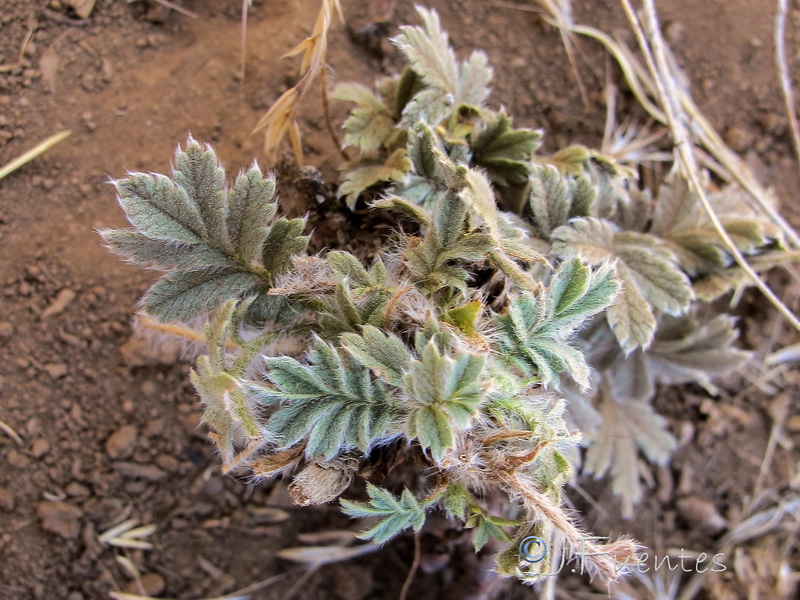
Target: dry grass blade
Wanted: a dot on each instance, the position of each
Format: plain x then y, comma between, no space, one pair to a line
128,565
281,119
721,159
10,432
413,570
783,71
652,46
755,526
21,54
178,8
243,58
128,535
324,555
784,355
37,150
185,333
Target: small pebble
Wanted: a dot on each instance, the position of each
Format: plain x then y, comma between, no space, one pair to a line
56,370
135,471
60,518
122,442
6,499
40,447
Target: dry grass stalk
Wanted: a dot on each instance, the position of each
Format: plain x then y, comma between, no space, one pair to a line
37,150
281,119
10,432
653,48
719,158
783,71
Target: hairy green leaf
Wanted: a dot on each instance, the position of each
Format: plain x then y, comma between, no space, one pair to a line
158,253
534,332
199,173
395,514
183,295
251,208
283,241
360,178
651,281
446,393
429,52
159,208
505,153
332,402
384,354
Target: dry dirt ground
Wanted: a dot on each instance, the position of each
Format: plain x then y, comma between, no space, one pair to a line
109,431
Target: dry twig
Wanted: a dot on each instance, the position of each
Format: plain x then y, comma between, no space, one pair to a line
33,153
783,71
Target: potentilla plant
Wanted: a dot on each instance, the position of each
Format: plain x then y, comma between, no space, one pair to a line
537,298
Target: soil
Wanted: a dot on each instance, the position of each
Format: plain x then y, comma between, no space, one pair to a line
108,426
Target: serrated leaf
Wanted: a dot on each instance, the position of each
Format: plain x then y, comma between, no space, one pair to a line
159,208
627,427
157,253
384,353
428,52
227,409
474,80
631,317
283,241
407,209
665,287
251,208
420,150
183,295
686,350
331,402
503,152
549,200
370,124
446,393
199,173
651,281
346,266
360,178
534,332
571,160
430,106
589,239
432,428
479,198
488,527
397,514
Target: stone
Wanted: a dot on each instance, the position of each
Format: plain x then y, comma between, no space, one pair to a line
56,370
738,139
122,442
77,490
40,447
6,499
60,518
152,583
135,471
60,303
